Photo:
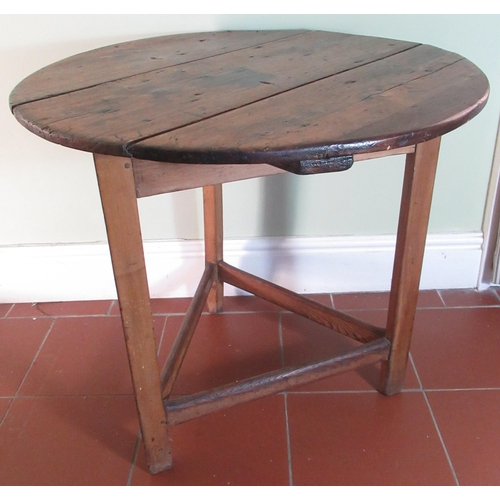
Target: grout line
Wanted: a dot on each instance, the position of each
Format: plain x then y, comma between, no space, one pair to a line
347,310
9,311
222,313
111,305
6,411
410,358
42,343
248,312
363,391
426,308
331,296
450,463
287,426
441,297
441,439
288,443
464,389
162,334
331,300
134,459
206,313
476,306
16,395
70,396
155,315
62,316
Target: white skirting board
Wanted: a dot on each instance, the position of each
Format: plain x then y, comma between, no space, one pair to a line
44,273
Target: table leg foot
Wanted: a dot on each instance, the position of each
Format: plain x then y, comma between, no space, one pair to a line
161,461
116,185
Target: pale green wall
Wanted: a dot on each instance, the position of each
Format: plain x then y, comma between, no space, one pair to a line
48,193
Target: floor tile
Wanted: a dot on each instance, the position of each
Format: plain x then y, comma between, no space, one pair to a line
82,356
380,300
241,446
457,348
469,424
365,439
470,298
225,348
305,341
73,420
68,441
20,340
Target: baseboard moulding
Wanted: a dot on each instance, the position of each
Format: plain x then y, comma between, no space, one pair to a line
70,272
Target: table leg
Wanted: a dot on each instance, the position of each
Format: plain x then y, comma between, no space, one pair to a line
418,185
212,209
116,185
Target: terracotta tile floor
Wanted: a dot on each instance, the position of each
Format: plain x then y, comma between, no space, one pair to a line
67,414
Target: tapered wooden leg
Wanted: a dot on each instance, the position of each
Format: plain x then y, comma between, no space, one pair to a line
116,185
212,209
418,185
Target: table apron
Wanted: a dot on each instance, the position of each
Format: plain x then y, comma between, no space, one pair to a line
152,178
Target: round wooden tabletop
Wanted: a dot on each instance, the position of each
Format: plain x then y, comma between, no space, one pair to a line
277,97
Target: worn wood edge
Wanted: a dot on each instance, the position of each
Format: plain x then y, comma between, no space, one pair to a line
179,349
331,318
111,146
287,158
152,177
184,408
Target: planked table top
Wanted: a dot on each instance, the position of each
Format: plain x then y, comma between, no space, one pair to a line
299,100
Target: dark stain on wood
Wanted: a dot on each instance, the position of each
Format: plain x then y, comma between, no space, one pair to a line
292,99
